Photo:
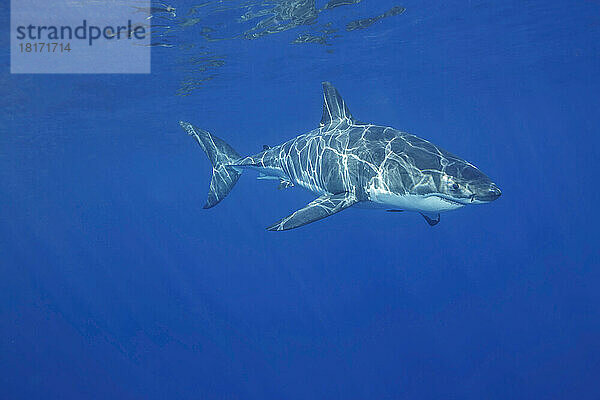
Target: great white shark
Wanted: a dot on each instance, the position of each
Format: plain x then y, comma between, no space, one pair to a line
348,163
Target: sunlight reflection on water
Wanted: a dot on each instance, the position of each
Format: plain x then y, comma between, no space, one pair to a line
197,31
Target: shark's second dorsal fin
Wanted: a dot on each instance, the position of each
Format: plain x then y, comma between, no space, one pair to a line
334,107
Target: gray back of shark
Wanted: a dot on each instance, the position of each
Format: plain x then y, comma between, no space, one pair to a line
347,163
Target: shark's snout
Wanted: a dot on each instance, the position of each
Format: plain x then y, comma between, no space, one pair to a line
488,194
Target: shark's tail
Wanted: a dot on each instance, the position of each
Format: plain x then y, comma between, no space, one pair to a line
221,155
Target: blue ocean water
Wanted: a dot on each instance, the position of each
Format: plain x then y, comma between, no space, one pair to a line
115,283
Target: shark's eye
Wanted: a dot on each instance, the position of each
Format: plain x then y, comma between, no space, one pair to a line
455,186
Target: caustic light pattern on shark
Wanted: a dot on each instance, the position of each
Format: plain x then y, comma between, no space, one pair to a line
350,163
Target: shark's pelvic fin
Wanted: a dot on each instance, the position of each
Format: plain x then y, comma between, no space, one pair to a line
432,219
321,207
284,184
334,107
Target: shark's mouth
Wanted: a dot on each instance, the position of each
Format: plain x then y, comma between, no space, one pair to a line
451,201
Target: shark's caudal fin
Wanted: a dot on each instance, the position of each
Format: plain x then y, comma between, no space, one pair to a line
221,155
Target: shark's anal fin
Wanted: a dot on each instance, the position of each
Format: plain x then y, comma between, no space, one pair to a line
431,219
265,177
321,207
283,183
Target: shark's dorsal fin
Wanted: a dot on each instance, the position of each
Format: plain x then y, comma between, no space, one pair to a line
334,107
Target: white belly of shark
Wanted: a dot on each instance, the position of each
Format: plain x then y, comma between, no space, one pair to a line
411,202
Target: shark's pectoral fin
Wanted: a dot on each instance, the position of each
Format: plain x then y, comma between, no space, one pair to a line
432,219
321,207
